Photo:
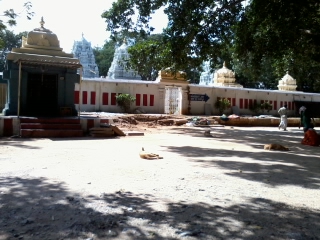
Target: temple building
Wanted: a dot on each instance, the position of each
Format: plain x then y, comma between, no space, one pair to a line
83,51
225,77
287,83
117,69
40,76
206,77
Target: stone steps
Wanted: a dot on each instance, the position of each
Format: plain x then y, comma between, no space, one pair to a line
50,127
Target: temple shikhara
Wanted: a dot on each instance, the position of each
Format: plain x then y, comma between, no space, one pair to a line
224,77
117,69
206,77
83,51
287,83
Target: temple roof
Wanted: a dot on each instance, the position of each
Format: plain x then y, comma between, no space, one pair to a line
28,59
42,47
287,79
225,71
287,83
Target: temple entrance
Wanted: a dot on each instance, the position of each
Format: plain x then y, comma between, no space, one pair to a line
42,95
173,100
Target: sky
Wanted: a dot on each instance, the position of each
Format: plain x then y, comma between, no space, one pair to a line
69,19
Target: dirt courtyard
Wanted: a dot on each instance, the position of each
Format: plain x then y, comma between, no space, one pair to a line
221,187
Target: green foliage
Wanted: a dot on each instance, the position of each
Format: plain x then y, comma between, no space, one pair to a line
104,57
278,36
8,17
261,40
9,40
257,107
266,106
197,30
124,101
222,105
148,56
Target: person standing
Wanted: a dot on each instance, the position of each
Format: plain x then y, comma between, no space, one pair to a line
283,118
305,119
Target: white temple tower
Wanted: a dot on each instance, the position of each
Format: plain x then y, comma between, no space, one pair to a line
83,51
287,83
117,69
225,77
206,77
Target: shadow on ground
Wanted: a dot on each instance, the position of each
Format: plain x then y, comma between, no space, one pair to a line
17,142
249,135
300,166
35,209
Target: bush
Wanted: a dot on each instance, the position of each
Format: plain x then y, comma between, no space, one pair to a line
257,107
266,106
222,105
124,101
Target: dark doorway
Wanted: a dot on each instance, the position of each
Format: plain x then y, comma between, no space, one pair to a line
42,95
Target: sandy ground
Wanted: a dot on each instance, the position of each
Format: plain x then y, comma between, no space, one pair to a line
220,187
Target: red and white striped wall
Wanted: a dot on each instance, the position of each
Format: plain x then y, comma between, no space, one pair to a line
100,95
245,103
9,126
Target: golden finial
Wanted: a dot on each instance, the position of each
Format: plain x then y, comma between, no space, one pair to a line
42,22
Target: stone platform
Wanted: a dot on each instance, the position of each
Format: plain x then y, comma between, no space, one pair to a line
49,127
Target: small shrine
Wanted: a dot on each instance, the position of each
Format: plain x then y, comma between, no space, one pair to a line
225,77
287,83
117,69
83,51
169,76
40,76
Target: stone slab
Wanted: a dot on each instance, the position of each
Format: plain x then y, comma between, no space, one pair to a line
134,133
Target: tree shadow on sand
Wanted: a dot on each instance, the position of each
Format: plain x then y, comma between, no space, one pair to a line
248,135
18,143
280,168
38,209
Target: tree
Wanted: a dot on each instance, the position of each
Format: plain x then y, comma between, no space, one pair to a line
8,18
261,41
222,105
104,57
148,56
284,34
124,100
9,40
197,30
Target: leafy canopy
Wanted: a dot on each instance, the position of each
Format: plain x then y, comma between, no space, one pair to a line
260,39
9,40
104,57
8,18
196,31
280,36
